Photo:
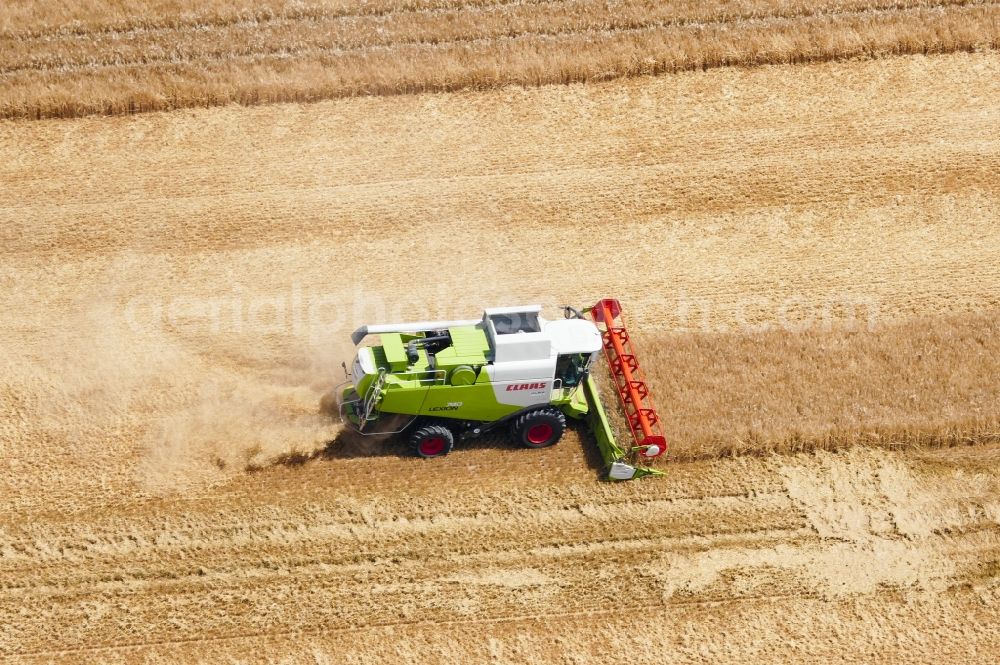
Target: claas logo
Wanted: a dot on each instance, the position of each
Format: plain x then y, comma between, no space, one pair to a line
527,386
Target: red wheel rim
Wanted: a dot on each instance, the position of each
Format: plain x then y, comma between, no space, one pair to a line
432,446
539,433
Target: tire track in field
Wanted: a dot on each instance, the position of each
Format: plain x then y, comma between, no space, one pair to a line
604,634
359,535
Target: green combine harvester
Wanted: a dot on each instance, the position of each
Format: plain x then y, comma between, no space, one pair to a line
448,381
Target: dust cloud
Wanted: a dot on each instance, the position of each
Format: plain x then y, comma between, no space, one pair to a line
186,410
230,429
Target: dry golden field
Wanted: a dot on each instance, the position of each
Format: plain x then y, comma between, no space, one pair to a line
104,56
808,254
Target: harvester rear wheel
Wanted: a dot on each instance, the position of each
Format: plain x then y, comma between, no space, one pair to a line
432,441
539,428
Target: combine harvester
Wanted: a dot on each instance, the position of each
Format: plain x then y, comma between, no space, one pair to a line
449,380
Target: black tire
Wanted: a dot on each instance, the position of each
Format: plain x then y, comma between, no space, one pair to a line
432,441
539,428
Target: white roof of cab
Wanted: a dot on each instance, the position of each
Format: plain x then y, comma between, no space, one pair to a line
573,336
523,309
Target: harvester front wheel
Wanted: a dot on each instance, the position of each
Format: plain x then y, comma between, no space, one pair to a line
539,428
432,441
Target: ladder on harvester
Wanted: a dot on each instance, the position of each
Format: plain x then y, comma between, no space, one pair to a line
630,384
371,399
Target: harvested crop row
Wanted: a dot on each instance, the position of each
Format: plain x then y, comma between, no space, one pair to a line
28,18
309,59
304,34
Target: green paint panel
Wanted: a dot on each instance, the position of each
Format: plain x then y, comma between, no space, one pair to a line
576,406
600,425
378,355
395,351
474,402
469,346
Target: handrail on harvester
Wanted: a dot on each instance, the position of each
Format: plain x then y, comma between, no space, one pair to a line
629,379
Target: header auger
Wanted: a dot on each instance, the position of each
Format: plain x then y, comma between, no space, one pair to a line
443,381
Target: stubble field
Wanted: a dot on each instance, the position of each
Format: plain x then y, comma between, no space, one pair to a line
808,254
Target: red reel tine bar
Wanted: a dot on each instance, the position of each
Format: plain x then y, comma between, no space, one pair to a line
630,382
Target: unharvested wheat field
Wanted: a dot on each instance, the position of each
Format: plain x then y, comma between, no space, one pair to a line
808,255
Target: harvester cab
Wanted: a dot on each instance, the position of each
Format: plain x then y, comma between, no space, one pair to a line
447,381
